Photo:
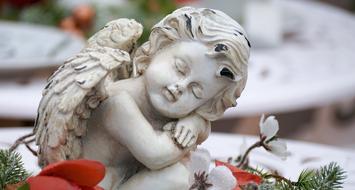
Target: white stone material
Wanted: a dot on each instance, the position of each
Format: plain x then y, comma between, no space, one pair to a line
141,111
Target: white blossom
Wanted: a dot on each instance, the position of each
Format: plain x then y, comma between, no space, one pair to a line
200,161
220,177
278,148
268,127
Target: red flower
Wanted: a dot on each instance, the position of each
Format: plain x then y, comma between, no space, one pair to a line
243,177
69,175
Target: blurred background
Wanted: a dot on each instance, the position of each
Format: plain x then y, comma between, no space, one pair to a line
302,64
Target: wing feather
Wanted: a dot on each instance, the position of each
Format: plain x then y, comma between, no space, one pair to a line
71,98
90,78
68,100
78,87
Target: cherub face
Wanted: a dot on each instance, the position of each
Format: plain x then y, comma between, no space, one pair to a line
182,77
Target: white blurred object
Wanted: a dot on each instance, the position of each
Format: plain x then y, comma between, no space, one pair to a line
313,67
221,178
20,101
28,46
263,23
233,8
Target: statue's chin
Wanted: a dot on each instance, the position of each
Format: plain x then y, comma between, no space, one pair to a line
166,108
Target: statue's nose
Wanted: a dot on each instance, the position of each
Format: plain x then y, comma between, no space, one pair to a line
176,90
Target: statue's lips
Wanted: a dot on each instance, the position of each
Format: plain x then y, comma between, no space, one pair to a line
169,95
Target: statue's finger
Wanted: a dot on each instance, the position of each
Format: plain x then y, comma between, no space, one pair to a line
187,139
183,135
178,132
191,142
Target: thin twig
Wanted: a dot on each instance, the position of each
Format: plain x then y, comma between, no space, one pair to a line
281,178
246,154
29,141
27,144
19,141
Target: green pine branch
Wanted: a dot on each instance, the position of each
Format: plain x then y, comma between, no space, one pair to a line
329,177
12,170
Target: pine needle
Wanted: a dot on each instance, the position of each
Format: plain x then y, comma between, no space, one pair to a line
330,177
12,170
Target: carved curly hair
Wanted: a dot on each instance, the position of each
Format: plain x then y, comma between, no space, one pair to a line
221,34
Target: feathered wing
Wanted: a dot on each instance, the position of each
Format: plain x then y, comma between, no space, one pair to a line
78,87
73,91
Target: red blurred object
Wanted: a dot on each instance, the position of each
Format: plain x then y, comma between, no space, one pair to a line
83,16
68,24
81,172
243,177
48,182
185,1
21,3
154,6
81,20
69,175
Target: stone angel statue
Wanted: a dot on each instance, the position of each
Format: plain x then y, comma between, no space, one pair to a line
140,111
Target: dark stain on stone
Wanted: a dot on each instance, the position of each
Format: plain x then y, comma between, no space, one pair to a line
220,47
200,29
36,122
214,12
188,24
80,68
131,50
48,84
247,41
81,82
240,33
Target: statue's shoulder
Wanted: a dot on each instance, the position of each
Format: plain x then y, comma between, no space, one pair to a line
121,98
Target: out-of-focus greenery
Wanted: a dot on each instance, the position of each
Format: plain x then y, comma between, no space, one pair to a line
46,12
50,12
147,12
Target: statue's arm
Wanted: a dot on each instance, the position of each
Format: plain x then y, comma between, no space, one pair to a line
126,123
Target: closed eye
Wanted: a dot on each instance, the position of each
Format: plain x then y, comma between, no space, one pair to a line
197,90
225,72
181,66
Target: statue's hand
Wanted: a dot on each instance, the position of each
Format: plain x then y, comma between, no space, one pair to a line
186,133
187,130
182,134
